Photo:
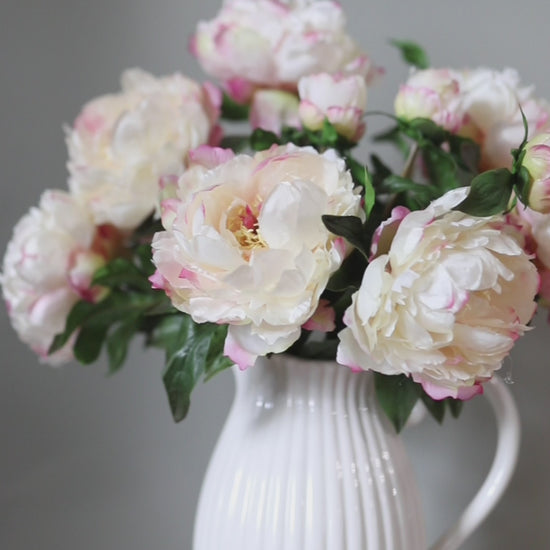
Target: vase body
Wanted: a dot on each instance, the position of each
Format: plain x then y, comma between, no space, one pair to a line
307,461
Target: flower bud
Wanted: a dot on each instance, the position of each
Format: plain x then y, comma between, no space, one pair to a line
339,99
431,94
537,163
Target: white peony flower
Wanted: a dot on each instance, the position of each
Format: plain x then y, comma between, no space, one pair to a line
122,144
491,102
481,104
433,94
340,99
445,302
271,44
47,268
534,228
245,244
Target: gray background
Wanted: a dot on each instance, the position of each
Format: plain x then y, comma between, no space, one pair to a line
92,462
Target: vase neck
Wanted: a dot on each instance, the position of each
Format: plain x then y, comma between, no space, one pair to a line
294,382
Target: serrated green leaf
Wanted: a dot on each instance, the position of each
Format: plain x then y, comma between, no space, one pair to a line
412,53
349,227
231,110
397,396
489,194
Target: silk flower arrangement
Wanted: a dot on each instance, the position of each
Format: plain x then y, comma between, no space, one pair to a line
221,248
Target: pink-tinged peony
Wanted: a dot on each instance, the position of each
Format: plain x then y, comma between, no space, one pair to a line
271,110
271,44
491,103
244,244
48,267
433,94
481,104
537,163
445,304
121,144
534,228
341,100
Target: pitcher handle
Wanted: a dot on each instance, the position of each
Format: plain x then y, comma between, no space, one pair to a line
504,463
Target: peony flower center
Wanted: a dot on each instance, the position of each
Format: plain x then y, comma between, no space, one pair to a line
242,221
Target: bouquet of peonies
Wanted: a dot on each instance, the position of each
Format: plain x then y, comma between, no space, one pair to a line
221,248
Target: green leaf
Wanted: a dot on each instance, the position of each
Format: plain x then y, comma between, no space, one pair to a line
235,143
523,184
195,350
231,110
466,153
425,128
80,311
380,170
419,194
329,134
441,168
324,349
143,259
397,396
118,340
89,342
361,175
94,320
165,333
412,53
395,136
121,273
489,193
260,140
435,407
358,171
349,227
215,360
349,275
370,194
455,406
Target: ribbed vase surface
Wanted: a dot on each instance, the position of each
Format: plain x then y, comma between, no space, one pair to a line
308,461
